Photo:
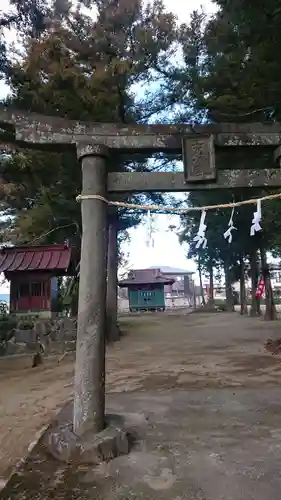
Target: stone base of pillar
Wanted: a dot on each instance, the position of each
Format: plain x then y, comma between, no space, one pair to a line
117,439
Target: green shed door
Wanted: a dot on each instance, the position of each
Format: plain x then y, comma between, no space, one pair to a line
147,299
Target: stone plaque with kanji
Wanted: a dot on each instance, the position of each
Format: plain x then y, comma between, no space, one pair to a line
199,158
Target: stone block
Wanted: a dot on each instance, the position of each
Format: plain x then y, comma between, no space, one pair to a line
25,335
104,446
31,347
62,443
12,348
42,328
66,328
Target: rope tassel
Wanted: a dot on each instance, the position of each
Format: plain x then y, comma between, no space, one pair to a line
256,227
200,238
228,234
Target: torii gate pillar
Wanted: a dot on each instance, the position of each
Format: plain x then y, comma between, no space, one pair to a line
112,328
89,404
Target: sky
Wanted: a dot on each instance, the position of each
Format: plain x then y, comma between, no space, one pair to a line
167,250
159,247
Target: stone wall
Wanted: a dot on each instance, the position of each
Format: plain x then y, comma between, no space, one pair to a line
53,336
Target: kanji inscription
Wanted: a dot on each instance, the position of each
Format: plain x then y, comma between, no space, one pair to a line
199,158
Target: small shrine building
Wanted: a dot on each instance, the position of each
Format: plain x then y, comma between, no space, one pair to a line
146,289
33,273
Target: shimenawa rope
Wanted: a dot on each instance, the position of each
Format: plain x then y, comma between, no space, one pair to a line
186,210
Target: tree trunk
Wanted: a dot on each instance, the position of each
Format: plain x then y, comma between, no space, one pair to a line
74,299
228,289
89,382
270,309
194,294
112,329
255,303
211,301
201,282
243,297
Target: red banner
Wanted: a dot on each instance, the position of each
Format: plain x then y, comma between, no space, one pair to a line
260,289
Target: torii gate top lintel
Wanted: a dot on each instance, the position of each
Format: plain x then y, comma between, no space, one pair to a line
199,146
40,129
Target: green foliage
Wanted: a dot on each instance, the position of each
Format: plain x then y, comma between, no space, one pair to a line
225,77
7,324
3,309
77,67
243,43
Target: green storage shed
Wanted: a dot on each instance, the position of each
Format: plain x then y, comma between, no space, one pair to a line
146,289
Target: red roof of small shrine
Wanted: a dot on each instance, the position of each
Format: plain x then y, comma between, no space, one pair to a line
37,258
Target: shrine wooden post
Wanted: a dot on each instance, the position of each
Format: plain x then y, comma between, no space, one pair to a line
202,147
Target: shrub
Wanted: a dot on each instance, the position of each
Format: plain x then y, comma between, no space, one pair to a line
7,324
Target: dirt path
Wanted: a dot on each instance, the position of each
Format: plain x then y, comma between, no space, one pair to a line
159,352
192,352
28,399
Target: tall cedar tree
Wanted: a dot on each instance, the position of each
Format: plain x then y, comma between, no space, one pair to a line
227,82
78,68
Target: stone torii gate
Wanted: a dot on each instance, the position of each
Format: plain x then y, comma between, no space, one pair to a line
207,153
